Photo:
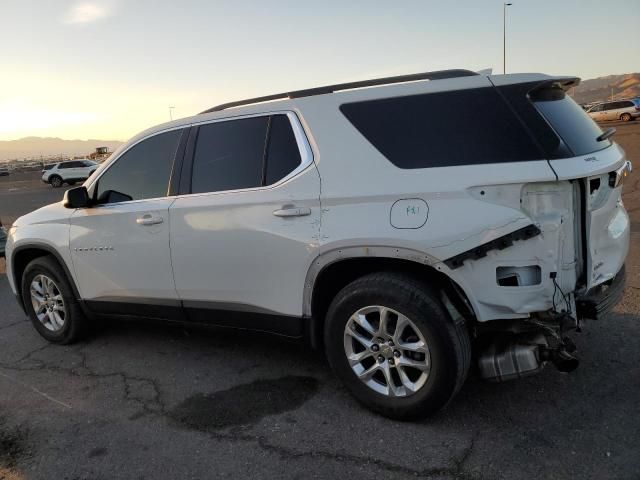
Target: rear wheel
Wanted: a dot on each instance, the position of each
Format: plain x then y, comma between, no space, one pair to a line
50,302
625,117
392,343
55,181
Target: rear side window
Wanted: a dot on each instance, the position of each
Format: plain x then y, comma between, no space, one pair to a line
578,131
461,127
229,155
283,155
244,153
141,172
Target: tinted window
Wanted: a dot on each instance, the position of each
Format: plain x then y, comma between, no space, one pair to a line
443,129
229,155
283,155
65,165
142,172
597,108
574,126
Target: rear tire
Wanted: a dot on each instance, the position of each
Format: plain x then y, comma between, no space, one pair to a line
50,303
55,181
625,117
397,298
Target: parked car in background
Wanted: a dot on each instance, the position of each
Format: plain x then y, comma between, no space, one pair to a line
624,110
68,172
3,239
4,171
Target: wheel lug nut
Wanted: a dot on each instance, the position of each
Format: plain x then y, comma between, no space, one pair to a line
380,359
391,344
396,353
375,347
391,361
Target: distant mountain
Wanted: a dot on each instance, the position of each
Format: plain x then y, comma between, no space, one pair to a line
600,89
30,147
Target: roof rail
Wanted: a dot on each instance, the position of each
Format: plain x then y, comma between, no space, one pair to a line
437,75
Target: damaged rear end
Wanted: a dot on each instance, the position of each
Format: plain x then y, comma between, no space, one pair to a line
561,258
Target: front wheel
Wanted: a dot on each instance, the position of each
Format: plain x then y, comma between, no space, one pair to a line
625,117
55,181
50,303
392,343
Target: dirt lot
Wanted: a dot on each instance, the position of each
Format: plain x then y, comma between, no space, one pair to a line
147,401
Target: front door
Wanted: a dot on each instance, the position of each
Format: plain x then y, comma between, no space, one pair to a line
120,246
242,241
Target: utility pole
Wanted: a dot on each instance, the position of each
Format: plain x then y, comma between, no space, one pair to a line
504,36
171,113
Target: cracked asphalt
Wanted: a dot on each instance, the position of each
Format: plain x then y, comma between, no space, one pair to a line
146,401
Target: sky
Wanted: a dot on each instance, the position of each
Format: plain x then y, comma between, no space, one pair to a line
107,69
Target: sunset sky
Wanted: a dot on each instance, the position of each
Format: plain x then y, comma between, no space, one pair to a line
109,68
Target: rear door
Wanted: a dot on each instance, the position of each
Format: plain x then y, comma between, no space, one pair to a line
246,230
120,246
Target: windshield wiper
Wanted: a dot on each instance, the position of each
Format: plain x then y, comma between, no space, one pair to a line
606,134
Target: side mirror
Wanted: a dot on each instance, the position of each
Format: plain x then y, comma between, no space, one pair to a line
76,198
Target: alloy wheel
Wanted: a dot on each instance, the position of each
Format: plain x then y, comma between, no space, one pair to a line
387,351
47,302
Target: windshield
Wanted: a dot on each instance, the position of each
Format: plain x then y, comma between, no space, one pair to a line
578,131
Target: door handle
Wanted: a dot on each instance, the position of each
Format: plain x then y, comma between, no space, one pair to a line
292,212
149,219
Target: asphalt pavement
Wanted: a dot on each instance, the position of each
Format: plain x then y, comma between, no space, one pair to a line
147,401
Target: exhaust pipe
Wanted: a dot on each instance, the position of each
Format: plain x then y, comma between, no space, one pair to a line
564,361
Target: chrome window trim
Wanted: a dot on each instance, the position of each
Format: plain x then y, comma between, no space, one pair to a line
304,147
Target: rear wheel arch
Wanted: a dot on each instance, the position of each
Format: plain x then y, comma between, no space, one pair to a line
23,255
332,274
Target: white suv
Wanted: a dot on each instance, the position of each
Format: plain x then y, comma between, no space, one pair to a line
69,172
393,226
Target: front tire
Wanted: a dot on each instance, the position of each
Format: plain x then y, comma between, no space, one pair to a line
392,343
55,181
50,303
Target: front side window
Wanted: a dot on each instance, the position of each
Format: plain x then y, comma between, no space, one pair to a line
141,172
64,165
244,153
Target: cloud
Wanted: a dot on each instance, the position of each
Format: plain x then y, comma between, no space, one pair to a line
87,12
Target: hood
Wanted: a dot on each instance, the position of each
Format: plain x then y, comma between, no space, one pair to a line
54,213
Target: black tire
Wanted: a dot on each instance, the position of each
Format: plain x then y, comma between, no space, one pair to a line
625,117
55,181
75,322
448,341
